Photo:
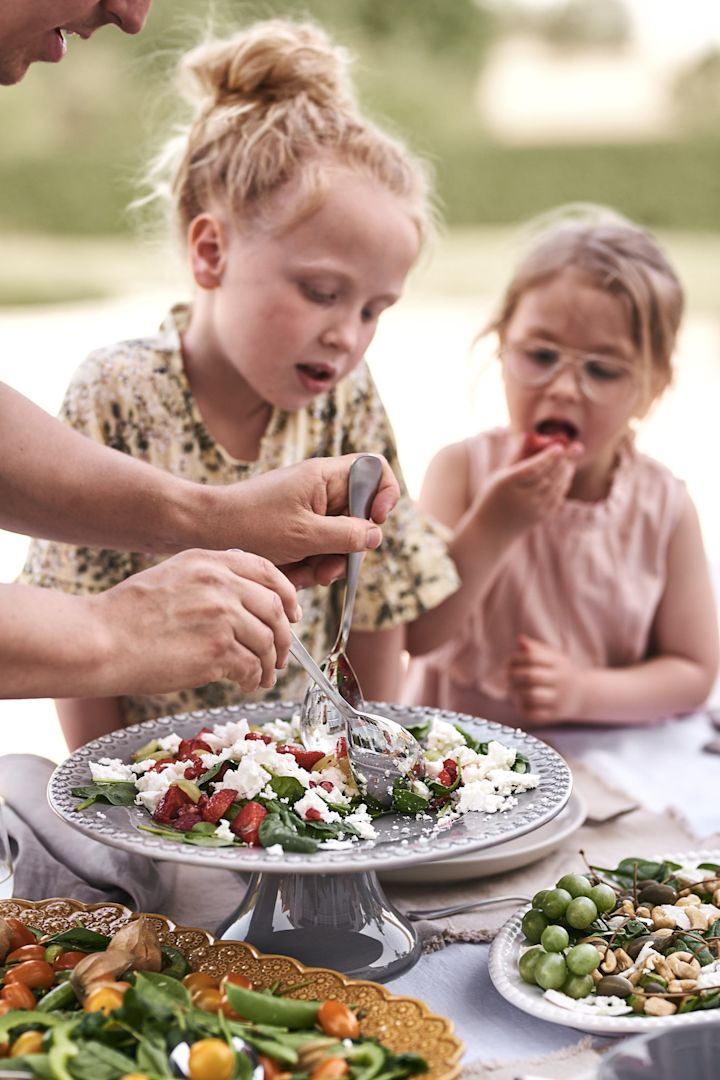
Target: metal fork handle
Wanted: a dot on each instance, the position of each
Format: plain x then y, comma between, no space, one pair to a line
365,473
316,673
445,912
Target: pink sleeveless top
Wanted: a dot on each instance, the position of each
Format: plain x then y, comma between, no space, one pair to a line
587,580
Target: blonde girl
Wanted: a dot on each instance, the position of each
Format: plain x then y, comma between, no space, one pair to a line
301,221
585,588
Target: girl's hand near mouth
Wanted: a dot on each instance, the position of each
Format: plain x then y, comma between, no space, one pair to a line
529,488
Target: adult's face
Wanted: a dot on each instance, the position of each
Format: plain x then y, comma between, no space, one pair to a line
33,30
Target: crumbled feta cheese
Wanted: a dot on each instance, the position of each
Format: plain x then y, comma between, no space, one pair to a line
442,737
312,801
248,779
709,977
598,1004
223,830
111,769
360,819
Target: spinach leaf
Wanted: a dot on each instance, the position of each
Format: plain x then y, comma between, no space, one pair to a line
274,830
405,801
521,763
287,787
80,938
195,839
471,741
97,1061
114,792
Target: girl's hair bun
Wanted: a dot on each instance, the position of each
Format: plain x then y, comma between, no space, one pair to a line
269,62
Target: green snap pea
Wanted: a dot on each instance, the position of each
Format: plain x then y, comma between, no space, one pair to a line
61,996
266,1009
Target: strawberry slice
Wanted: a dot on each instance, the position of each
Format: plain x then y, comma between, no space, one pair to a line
534,442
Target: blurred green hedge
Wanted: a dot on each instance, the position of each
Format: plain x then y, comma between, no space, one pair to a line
75,138
662,185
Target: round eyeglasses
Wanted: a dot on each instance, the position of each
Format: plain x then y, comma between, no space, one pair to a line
604,380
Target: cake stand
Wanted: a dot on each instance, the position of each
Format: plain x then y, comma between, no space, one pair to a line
326,908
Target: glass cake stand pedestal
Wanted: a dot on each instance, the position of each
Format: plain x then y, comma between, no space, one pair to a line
327,908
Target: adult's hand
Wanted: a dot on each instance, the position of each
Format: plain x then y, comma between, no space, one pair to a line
295,514
197,617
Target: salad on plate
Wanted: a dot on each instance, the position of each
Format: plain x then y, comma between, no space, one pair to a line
256,785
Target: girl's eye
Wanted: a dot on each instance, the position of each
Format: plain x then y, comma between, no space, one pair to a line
604,370
319,296
542,357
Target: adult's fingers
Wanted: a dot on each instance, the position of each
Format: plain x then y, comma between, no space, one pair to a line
263,626
316,570
255,568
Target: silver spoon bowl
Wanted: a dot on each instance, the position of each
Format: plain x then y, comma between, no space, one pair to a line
380,751
320,722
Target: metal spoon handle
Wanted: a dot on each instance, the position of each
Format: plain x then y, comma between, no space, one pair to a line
445,912
365,473
304,658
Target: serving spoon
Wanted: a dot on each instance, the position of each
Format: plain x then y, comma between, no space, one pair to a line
320,722
380,750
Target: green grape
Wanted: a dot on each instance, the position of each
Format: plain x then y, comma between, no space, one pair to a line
582,959
538,898
555,902
580,912
533,924
550,971
527,962
575,884
554,938
603,897
577,986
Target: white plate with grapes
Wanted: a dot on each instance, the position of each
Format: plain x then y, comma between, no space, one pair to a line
618,950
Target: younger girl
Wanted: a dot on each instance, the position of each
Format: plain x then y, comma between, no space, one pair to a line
301,221
586,594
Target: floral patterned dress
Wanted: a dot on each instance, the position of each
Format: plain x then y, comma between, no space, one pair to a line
134,396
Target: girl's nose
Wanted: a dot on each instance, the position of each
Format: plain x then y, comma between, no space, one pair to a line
565,382
341,334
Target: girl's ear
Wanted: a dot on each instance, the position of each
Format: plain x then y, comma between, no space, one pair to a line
206,247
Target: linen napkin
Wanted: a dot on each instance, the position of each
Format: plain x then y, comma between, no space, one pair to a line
578,1062
51,858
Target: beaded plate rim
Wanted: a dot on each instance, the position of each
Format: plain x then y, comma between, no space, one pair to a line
401,842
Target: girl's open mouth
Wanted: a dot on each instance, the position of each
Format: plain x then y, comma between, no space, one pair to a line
315,377
563,430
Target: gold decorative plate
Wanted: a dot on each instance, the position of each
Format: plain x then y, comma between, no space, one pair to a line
401,1023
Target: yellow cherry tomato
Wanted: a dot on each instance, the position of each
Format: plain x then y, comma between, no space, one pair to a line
211,1059
207,998
30,1042
105,999
200,980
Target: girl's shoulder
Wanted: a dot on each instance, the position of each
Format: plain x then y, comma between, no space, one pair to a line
644,480
136,366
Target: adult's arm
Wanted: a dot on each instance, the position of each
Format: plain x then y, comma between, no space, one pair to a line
57,484
195,618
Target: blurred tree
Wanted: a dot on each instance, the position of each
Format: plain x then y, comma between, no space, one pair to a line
572,24
697,93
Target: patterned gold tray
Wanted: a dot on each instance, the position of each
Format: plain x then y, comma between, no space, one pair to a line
402,1023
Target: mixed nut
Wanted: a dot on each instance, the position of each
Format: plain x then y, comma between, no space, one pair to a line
656,945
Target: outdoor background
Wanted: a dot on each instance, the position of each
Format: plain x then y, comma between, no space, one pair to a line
518,106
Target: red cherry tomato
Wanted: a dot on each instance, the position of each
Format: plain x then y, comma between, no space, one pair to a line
67,960
26,952
35,973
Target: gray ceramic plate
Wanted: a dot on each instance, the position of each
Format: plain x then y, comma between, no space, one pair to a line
400,842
